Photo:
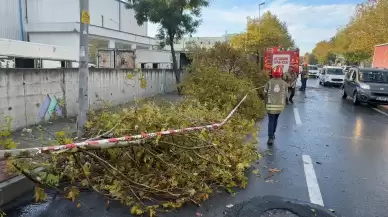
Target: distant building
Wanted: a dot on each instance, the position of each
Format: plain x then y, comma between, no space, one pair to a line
206,42
56,22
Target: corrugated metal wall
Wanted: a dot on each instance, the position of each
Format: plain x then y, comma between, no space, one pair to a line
9,19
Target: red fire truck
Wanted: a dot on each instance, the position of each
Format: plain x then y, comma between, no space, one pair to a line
285,58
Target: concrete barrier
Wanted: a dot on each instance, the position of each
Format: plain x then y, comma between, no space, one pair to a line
32,96
14,188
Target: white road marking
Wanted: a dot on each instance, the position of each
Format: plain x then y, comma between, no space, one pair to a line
379,111
297,117
312,183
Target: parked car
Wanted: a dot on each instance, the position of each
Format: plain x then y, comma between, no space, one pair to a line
368,85
331,75
313,71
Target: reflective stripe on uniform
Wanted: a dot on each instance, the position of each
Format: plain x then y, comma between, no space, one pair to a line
275,107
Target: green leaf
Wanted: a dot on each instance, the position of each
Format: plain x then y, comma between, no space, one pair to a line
136,210
40,195
129,76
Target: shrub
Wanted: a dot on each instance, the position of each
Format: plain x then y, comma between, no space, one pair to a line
223,91
230,60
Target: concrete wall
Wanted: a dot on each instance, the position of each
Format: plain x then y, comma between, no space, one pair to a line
68,40
31,96
163,58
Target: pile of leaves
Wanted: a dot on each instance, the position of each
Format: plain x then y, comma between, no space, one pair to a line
155,174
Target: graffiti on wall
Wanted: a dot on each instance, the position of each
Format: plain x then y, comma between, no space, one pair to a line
50,108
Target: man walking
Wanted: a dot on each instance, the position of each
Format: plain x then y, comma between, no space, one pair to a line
276,93
304,76
291,79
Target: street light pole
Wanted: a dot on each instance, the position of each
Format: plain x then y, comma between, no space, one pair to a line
259,53
261,4
83,74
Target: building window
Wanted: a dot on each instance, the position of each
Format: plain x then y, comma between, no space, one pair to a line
142,66
154,65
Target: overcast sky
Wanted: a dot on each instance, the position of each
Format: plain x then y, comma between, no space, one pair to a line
308,21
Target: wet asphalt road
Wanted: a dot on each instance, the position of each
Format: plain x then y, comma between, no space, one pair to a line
348,146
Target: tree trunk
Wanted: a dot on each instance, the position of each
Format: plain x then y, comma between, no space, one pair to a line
175,66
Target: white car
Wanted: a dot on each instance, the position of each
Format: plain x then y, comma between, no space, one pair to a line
331,75
313,71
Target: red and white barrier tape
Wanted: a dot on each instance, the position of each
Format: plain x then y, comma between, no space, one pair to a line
114,141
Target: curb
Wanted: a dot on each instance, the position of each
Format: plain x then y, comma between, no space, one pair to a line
257,206
14,188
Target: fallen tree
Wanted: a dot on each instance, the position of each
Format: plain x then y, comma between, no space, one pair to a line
158,174
166,170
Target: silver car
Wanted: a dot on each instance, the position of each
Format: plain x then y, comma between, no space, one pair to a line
369,85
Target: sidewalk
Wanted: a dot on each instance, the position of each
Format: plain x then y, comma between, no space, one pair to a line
13,186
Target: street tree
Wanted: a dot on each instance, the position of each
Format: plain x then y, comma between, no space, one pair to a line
310,58
366,28
176,18
323,52
266,31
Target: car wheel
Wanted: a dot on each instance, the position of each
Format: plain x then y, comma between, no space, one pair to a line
343,93
355,99
324,83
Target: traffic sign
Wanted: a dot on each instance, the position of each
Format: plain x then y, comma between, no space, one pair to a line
85,17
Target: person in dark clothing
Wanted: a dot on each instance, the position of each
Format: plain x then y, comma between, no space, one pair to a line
291,78
304,76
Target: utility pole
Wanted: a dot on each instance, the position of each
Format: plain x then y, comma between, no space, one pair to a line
259,53
246,35
83,74
261,4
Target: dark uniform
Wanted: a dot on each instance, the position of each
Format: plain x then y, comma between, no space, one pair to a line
304,76
276,93
291,78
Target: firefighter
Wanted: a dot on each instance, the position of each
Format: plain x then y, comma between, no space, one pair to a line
304,75
291,77
275,99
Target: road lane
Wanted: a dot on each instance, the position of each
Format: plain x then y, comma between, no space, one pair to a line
349,146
